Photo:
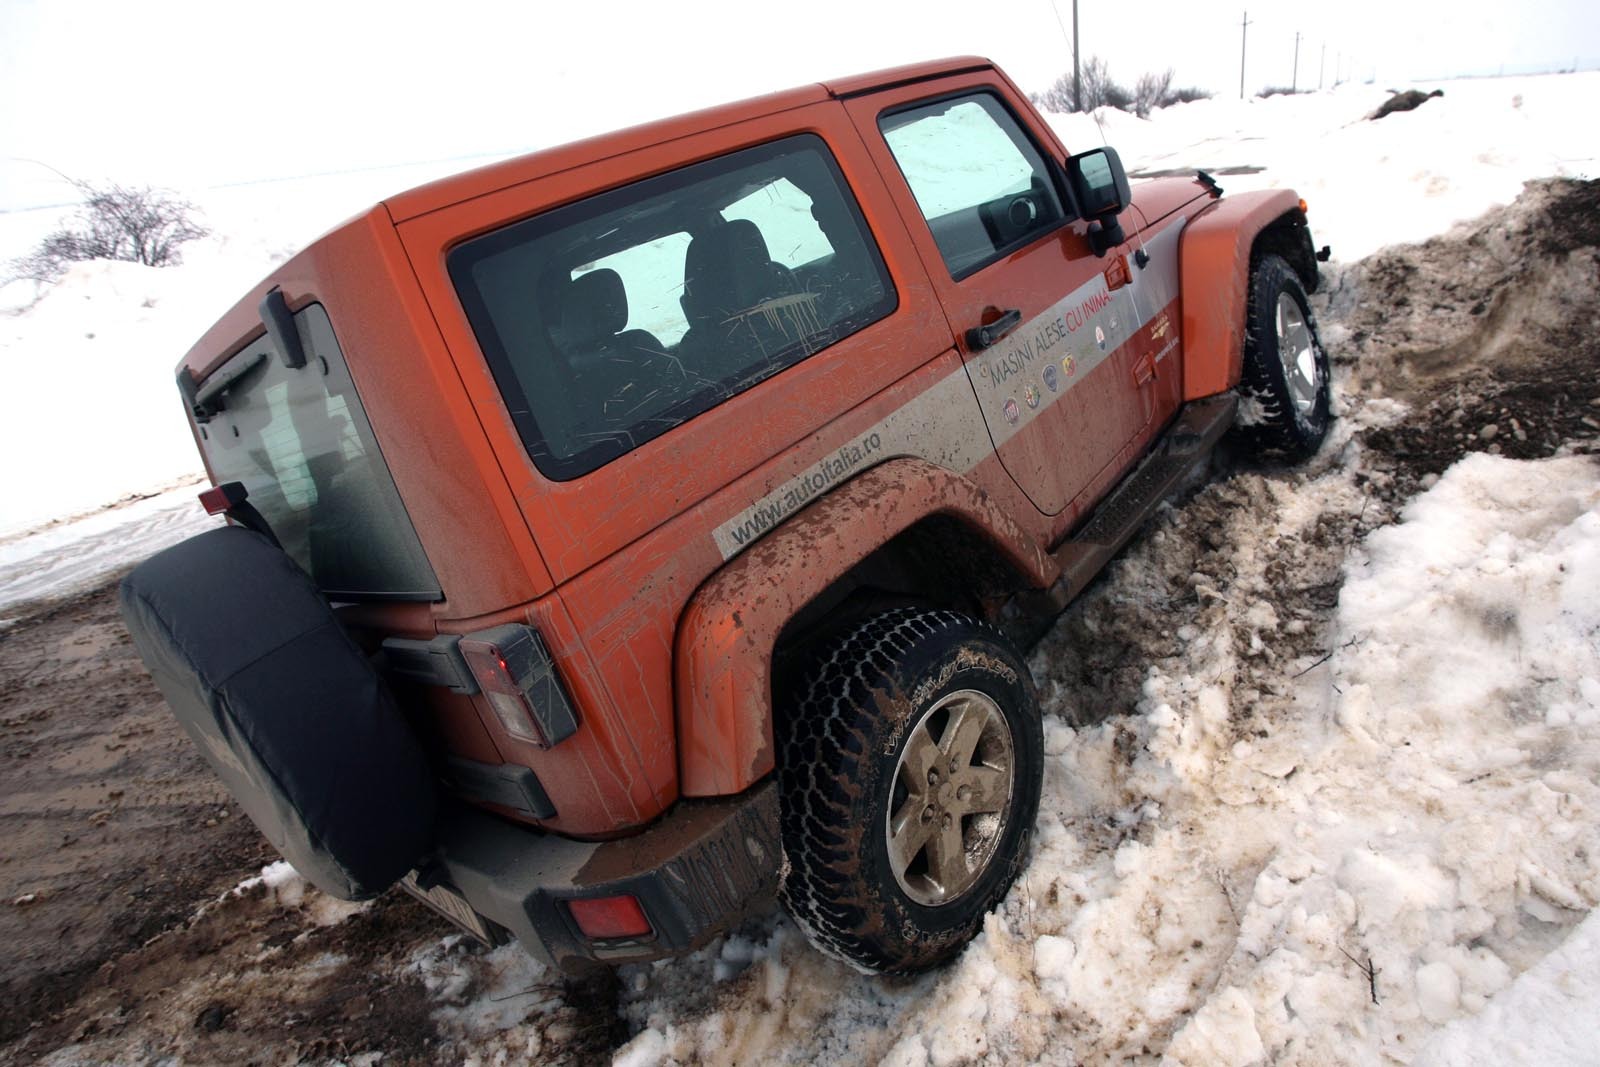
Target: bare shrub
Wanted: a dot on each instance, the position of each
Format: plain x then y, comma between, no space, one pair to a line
1149,91
1057,98
134,224
1186,95
1100,89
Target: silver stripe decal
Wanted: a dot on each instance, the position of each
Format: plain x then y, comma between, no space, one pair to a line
1064,342
1042,360
935,425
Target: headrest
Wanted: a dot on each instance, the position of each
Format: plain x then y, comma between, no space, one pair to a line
595,305
725,269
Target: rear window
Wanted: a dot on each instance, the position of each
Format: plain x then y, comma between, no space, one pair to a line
300,442
610,321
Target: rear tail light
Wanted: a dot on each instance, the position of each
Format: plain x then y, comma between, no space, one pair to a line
517,676
606,918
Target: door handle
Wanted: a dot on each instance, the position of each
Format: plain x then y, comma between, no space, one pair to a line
981,337
1144,371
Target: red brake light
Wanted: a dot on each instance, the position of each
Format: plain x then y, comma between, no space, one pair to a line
218,499
517,677
603,918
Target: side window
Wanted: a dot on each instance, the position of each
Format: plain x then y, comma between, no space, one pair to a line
979,181
609,321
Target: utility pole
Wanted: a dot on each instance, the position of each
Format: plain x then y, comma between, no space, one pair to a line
1077,77
1244,27
1322,65
1294,82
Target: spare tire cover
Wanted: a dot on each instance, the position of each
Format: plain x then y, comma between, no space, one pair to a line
285,708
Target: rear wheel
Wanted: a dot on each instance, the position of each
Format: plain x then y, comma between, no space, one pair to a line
910,775
1284,384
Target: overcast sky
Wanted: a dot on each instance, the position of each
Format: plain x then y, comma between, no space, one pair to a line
198,94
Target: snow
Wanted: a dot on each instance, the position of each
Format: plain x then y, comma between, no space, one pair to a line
1399,180
1547,1016
1387,853
1411,807
65,557
288,888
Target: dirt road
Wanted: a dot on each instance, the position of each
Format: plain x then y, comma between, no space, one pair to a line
128,943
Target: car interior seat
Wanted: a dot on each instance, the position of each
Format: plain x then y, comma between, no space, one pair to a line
728,277
614,369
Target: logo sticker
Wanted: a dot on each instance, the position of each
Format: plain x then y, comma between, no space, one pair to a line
1013,412
1100,338
1031,395
1069,366
1159,328
1052,379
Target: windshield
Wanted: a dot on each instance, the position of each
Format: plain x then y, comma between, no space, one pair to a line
300,442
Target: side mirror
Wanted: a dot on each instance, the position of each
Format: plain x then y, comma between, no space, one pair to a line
1100,186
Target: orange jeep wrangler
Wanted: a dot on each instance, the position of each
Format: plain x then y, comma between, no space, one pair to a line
632,530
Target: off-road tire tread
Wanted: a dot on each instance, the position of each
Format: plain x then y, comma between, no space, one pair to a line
821,742
1279,431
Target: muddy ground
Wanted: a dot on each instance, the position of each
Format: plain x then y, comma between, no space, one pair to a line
126,943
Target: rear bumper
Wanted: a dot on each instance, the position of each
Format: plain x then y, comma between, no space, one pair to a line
701,868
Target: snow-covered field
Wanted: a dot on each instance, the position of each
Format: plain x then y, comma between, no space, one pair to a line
1346,804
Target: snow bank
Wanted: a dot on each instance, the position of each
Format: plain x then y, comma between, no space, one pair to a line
66,557
91,410
1447,834
1284,856
1401,179
1547,1016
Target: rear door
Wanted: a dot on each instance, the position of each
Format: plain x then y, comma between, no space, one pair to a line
1060,392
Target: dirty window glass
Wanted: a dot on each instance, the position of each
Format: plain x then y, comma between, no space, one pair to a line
610,321
300,442
978,180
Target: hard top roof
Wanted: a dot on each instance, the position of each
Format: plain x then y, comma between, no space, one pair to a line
547,161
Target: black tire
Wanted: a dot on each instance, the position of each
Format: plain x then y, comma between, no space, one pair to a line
1284,401
896,690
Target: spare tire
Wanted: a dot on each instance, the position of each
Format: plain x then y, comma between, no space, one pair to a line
285,708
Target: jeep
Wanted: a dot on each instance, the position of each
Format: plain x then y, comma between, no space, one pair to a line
634,531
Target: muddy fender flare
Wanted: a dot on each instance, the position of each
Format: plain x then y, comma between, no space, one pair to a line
725,642
285,708
1214,266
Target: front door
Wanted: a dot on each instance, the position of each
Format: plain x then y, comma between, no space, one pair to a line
1060,391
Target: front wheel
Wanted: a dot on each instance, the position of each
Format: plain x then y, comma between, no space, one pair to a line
1284,383
910,774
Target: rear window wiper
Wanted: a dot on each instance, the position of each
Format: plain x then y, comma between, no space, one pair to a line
205,400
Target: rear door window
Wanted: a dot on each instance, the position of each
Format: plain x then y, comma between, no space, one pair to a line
610,321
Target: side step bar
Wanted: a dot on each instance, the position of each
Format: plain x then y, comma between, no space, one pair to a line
1186,443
